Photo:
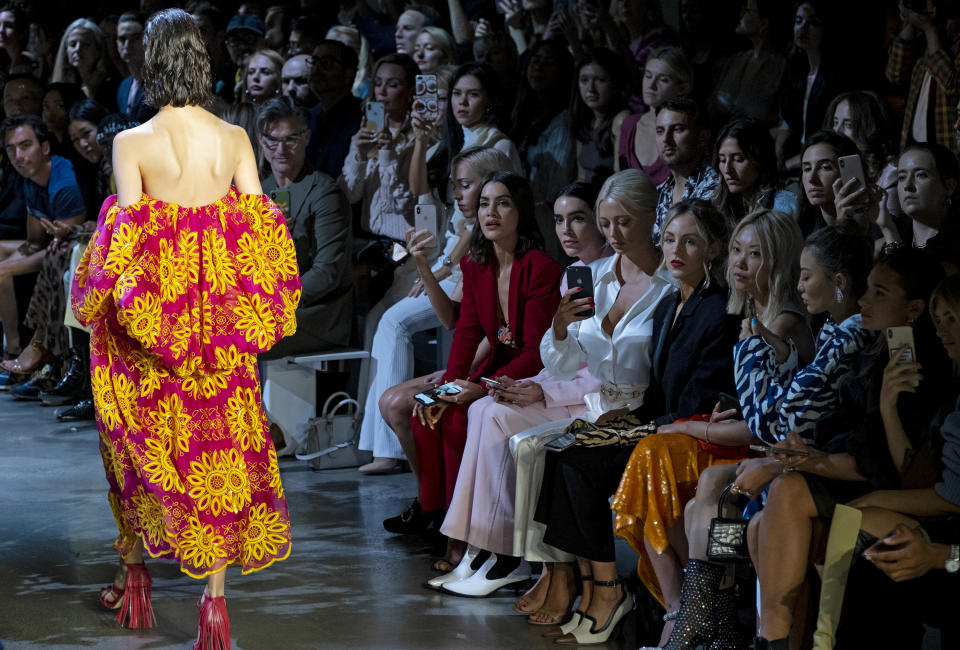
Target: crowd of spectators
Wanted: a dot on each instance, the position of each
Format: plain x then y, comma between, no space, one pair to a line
763,193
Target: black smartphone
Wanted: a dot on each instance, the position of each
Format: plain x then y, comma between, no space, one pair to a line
728,401
582,277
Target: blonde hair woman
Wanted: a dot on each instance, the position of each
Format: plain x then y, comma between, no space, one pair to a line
261,79
82,59
433,48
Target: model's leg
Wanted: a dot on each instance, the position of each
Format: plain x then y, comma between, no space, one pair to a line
783,547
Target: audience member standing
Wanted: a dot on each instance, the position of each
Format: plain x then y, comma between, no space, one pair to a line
130,96
336,117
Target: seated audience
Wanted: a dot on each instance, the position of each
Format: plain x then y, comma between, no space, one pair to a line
262,77
433,48
498,51
53,198
15,39
481,511
745,159
295,81
683,140
352,37
22,95
336,117
93,172
819,171
869,450
318,217
668,74
385,429
131,100
58,99
243,36
747,83
410,25
511,314
82,59
598,109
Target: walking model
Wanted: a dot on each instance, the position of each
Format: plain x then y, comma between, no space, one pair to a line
181,300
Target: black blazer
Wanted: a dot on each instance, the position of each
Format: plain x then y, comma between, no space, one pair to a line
692,358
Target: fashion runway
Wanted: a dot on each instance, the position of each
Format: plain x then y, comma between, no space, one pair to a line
347,584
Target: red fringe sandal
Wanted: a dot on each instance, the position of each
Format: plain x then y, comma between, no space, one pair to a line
133,600
213,632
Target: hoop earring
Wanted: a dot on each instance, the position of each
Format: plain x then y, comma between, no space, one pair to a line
839,294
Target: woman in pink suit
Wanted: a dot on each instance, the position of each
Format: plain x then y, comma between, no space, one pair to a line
509,297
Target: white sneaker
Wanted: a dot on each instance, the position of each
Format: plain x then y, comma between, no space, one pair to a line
479,586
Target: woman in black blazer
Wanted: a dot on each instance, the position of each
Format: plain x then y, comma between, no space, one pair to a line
691,364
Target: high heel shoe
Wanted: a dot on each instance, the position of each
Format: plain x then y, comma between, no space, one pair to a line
133,600
213,631
461,572
481,585
697,619
575,617
587,633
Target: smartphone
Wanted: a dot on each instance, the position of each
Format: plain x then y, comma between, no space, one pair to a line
728,401
750,308
767,449
282,200
899,338
375,116
562,442
425,103
494,383
431,396
425,218
581,276
851,167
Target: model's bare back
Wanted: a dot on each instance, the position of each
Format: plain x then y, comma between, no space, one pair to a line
184,156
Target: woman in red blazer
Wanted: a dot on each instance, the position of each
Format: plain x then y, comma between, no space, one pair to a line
509,298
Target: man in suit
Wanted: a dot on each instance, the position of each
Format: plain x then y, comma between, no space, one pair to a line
130,97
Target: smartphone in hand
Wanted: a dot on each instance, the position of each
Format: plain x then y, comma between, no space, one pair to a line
425,218
582,277
899,338
425,103
768,449
374,116
851,167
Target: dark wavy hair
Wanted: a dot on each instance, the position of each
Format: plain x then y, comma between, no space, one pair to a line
586,192
14,122
947,168
843,248
528,234
582,122
88,110
176,70
809,217
532,114
281,108
756,143
871,127
488,79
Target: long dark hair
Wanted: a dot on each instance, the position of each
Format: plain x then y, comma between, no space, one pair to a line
532,113
528,234
808,216
843,248
488,79
755,142
871,127
586,192
582,122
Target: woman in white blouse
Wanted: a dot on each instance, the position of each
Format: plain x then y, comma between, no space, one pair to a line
615,343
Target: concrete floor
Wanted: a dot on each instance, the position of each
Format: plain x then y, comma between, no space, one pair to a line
347,584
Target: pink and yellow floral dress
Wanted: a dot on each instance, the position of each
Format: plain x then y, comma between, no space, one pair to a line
180,301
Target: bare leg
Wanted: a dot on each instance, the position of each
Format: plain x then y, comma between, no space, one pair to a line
396,407
533,599
783,536
669,569
561,593
701,510
8,314
586,569
216,582
455,550
604,599
879,522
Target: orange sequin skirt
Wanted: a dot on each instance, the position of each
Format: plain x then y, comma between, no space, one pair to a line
660,478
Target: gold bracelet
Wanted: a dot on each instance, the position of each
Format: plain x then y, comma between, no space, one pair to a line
706,434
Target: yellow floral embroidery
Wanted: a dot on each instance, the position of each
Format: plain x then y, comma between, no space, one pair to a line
201,544
103,397
243,414
171,273
160,468
290,302
255,319
273,469
278,251
126,394
265,534
220,273
142,319
190,254
219,482
172,423
254,264
122,247
206,385
150,514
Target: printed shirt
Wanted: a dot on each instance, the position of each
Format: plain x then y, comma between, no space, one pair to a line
702,184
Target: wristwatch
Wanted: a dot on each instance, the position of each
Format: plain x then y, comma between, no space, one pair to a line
953,562
447,262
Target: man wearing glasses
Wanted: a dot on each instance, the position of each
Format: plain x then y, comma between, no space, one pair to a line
318,217
337,115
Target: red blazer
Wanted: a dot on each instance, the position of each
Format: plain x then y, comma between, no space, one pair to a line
534,297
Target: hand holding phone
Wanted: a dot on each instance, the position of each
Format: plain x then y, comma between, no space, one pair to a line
786,451
375,116
900,343
425,103
851,167
493,383
580,277
425,218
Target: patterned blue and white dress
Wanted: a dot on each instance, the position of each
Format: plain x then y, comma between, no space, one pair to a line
779,398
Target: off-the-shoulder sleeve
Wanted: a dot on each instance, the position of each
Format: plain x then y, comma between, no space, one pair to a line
201,288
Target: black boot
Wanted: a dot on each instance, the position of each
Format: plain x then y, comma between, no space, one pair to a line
729,636
82,410
697,619
69,390
413,520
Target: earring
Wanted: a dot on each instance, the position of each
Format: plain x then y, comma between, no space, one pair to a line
839,294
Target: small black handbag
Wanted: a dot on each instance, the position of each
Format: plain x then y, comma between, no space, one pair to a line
727,541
